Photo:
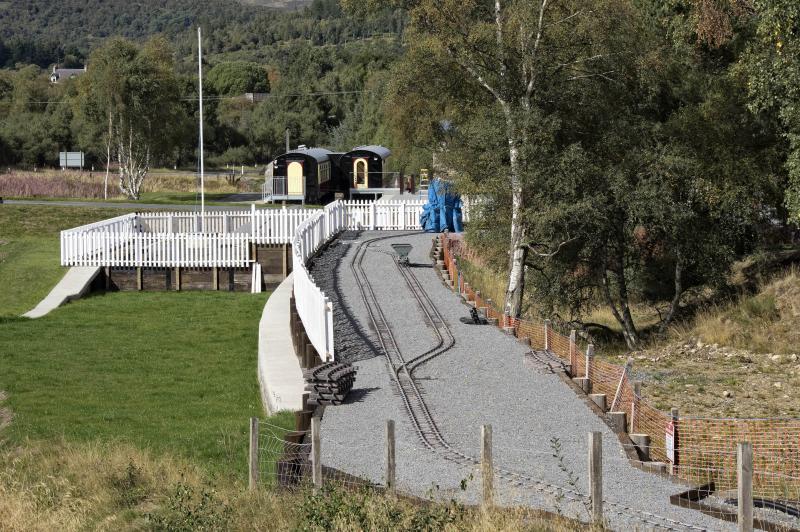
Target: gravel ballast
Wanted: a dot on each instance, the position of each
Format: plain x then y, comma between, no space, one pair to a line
484,379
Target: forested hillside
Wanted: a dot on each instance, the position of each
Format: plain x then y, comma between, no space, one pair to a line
43,32
324,72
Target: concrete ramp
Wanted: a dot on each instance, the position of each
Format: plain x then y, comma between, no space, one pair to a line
73,285
279,374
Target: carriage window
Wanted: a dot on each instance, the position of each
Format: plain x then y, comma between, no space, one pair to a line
361,172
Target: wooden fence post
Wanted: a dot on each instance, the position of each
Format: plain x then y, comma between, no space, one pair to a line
673,468
253,461
573,334
316,455
487,470
744,475
390,456
589,357
626,369
637,393
596,475
547,335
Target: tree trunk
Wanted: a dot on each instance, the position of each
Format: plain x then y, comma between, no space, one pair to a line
676,299
622,316
108,155
517,251
133,165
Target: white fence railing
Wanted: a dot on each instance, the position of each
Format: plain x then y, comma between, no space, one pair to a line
387,216
313,307
180,238
102,248
187,238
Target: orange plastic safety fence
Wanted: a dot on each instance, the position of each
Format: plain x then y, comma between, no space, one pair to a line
704,449
532,330
560,346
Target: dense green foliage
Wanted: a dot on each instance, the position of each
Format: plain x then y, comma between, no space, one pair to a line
628,150
321,68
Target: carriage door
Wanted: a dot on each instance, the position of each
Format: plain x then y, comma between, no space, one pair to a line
360,173
294,174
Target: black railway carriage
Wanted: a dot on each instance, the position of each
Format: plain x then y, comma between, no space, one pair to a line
305,174
364,168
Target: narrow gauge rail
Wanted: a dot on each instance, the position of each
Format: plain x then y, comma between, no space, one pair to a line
402,371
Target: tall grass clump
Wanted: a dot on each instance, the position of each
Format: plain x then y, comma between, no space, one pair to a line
30,185
765,322
93,486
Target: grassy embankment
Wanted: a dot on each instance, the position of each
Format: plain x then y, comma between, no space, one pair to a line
29,250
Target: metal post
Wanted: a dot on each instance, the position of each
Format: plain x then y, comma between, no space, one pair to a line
596,475
253,462
487,470
744,475
390,456
316,455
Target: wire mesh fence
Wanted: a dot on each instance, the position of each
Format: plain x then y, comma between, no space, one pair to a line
699,450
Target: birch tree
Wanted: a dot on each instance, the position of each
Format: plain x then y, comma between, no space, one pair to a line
133,95
519,52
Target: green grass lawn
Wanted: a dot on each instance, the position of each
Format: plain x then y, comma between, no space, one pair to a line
29,250
168,372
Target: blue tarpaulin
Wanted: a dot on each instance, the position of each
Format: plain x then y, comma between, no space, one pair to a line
443,210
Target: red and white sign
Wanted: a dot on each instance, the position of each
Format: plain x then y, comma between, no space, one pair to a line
669,442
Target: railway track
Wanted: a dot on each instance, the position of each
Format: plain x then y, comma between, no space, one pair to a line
421,417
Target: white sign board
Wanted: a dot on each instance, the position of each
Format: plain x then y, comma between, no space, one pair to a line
70,159
669,442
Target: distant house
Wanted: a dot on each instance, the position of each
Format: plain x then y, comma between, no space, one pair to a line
61,74
255,97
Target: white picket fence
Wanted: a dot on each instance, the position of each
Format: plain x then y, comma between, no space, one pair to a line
104,248
386,216
168,239
313,306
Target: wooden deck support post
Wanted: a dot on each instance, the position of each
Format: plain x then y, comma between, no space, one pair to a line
177,278
215,278
139,279
310,356
253,462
